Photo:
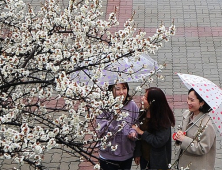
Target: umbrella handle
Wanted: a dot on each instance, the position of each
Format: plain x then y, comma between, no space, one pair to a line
174,135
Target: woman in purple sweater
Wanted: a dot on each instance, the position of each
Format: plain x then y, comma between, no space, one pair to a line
119,155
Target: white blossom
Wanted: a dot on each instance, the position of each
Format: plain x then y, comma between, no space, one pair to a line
138,88
37,149
97,166
113,148
42,105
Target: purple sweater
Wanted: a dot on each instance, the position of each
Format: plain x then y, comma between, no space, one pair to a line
126,146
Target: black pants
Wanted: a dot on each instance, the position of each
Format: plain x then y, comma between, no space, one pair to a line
116,165
144,164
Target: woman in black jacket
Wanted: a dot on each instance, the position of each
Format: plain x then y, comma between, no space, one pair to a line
153,151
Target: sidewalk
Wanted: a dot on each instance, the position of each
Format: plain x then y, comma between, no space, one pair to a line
196,49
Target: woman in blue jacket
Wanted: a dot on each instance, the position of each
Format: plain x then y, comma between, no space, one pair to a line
153,151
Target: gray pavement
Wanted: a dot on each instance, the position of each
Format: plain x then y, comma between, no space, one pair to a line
196,49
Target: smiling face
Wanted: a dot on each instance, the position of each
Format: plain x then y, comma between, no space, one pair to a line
193,103
145,101
120,90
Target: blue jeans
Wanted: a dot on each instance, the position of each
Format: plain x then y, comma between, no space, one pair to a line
115,165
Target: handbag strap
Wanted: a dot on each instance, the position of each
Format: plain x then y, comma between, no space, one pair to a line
196,122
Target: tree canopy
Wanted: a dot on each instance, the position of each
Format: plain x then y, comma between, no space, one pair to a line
41,105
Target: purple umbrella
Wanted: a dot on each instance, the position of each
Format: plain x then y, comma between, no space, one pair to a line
123,70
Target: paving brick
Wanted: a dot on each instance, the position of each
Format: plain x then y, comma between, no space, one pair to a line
196,48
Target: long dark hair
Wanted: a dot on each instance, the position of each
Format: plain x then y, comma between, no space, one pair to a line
128,97
161,115
205,108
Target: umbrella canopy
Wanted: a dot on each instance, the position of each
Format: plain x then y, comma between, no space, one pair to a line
123,70
210,92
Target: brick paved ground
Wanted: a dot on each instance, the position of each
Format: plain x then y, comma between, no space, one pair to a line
195,49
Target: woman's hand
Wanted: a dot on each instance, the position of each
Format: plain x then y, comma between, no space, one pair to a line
138,130
132,136
180,136
137,160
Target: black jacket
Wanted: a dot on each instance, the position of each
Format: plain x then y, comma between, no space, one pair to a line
160,153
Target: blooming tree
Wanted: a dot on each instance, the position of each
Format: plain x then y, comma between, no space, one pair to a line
41,106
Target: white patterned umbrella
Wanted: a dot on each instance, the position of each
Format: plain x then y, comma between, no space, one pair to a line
123,70
210,93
